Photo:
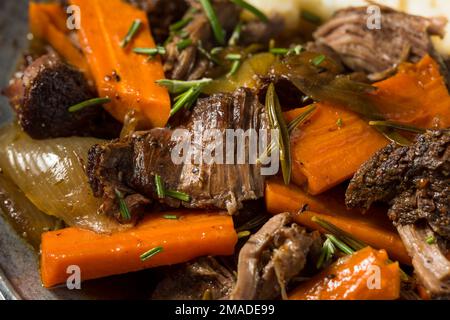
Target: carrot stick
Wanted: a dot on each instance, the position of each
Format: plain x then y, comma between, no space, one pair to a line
373,228
120,74
364,275
98,255
45,23
330,148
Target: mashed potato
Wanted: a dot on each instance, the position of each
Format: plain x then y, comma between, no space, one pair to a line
291,10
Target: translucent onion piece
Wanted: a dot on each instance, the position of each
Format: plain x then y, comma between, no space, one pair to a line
28,221
51,174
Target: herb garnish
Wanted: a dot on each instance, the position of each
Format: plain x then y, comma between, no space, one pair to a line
179,86
88,103
123,208
326,254
151,51
276,120
430,240
348,240
398,126
218,31
247,6
339,123
209,55
131,33
162,192
159,187
183,44
286,52
152,252
243,234
235,35
170,217
301,118
177,26
317,60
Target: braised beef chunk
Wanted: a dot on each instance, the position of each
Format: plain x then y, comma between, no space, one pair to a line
130,165
162,14
202,278
188,63
41,98
415,182
271,258
257,31
375,51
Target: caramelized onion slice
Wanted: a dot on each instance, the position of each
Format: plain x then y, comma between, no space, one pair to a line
51,175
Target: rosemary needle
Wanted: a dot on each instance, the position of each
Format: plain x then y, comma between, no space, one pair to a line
88,103
134,28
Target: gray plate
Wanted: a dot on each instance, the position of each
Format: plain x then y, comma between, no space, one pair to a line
19,267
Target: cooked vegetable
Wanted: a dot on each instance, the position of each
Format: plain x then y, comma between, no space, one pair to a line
364,275
258,64
343,149
26,219
365,231
323,144
191,236
47,21
50,174
373,228
417,96
120,74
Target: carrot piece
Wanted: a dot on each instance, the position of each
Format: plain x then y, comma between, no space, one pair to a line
373,228
324,154
45,23
364,275
418,95
98,255
120,74
330,148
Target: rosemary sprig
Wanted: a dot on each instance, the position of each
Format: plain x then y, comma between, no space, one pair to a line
151,52
398,126
186,100
88,103
235,35
177,26
178,86
218,31
301,118
123,208
247,6
340,244
276,120
183,44
134,28
326,254
348,240
150,253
